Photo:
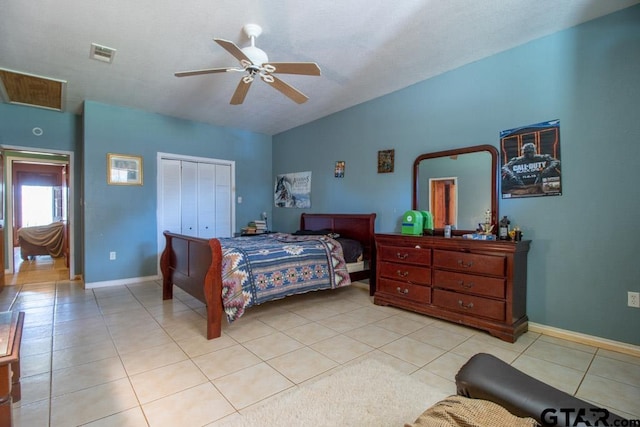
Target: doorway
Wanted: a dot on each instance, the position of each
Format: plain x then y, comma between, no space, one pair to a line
38,194
443,202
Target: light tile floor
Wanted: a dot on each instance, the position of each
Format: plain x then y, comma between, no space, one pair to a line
120,356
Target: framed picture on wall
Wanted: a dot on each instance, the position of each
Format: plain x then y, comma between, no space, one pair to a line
530,161
124,169
385,161
339,169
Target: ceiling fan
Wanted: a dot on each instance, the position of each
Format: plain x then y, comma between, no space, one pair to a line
254,62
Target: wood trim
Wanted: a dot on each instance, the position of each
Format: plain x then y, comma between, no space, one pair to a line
493,151
577,337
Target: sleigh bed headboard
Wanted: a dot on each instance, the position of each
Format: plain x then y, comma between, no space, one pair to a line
360,227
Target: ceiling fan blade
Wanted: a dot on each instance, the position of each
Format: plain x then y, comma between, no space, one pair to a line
205,71
286,89
233,49
241,91
306,68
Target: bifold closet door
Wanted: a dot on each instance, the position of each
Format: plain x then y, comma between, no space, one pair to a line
189,198
196,198
223,201
170,205
214,200
206,200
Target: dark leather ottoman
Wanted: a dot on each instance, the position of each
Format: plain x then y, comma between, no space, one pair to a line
484,376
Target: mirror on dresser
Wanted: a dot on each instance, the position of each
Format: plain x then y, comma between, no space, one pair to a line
457,186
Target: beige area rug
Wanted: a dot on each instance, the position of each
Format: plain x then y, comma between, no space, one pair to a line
368,393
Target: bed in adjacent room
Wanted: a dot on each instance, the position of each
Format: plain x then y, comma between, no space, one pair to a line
230,275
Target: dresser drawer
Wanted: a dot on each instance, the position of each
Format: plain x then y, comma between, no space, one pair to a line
469,263
407,255
411,292
469,304
405,272
469,283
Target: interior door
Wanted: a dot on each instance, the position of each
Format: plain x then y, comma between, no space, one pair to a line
189,198
207,200
443,202
223,201
171,218
62,207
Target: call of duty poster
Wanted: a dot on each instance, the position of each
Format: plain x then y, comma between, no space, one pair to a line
530,161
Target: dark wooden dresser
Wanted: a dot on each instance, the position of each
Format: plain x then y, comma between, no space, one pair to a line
477,283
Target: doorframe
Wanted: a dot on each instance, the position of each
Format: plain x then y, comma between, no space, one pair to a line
8,160
453,203
159,168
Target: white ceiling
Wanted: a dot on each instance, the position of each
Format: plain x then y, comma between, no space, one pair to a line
364,48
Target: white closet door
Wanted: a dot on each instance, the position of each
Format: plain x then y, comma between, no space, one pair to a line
223,201
207,200
170,200
189,198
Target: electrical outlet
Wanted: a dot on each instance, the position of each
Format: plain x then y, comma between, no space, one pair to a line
112,255
633,299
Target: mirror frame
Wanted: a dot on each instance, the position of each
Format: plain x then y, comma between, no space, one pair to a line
494,179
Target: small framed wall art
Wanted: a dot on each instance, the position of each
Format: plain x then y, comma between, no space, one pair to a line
385,161
339,170
124,169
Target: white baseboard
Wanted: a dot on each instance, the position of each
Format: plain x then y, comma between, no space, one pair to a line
578,337
120,282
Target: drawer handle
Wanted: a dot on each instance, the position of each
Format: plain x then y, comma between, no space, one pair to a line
402,273
465,285
461,263
400,291
466,307
402,256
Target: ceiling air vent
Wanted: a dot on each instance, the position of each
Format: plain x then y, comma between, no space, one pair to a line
28,89
102,53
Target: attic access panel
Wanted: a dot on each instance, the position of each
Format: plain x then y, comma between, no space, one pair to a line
27,89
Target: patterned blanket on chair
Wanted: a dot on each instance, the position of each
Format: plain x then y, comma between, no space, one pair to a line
262,268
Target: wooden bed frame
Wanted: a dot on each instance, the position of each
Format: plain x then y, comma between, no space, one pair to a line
194,264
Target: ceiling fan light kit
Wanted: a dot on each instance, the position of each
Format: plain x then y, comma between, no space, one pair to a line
254,61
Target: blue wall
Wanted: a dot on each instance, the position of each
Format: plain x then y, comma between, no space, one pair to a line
583,257
61,132
123,218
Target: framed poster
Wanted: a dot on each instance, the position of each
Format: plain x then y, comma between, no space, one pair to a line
293,190
530,161
385,161
339,169
124,170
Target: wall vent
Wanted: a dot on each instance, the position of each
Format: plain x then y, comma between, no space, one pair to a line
102,53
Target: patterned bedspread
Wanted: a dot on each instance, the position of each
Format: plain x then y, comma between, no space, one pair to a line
257,269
